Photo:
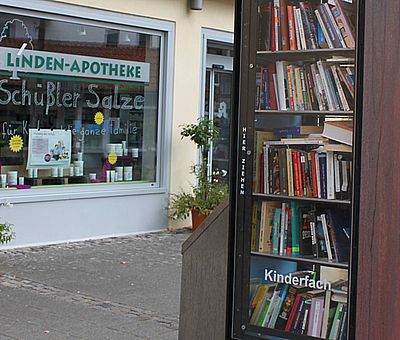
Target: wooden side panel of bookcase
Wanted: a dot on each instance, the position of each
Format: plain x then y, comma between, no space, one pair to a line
204,285
378,282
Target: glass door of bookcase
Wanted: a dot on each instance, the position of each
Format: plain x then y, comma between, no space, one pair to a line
295,178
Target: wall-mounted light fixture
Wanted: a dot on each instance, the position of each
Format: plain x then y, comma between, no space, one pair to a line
196,4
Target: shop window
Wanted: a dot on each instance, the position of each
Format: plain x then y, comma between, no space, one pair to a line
79,103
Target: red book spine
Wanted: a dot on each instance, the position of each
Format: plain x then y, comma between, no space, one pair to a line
296,173
273,41
284,25
293,313
272,97
292,28
303,174
314,174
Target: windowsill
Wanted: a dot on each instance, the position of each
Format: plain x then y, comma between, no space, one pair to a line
78,191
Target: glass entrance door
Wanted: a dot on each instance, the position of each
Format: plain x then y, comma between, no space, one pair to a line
218,105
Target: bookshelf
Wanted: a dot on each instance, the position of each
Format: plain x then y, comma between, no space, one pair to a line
295,178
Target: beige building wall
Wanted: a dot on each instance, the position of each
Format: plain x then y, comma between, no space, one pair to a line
216,14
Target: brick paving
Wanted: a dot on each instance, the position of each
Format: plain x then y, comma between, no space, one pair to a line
115,288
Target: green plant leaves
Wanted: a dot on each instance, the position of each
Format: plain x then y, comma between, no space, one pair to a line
6,233
206,195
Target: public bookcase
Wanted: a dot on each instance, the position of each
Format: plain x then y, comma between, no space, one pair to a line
296,186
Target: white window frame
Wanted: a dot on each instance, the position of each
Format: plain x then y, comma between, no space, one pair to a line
47,9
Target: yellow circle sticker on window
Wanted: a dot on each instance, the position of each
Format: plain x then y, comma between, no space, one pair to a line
16,143
112,158
99,118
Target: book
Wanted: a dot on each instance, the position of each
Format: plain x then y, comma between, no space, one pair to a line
343,100
340,131
264,26
322,174
289,155
339,223
271,87
325,318
316,316
298,130
305,317
326,236
295,227
323,11
297,28
323,28
257,302
298,316
309,25
276,26
293,313
326,85
286,308
283,172
260,138
306,244
291,27
276,231
284,25
280,79
301,29
334,27
254,231
335,328
321,242
333,88
275,305
282,241
330,176
312,218
266,226
343,324
265,305
345,26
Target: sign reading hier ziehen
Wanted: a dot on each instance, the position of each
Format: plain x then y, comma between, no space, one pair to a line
73,65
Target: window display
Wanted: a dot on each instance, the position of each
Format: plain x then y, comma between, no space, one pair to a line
79,104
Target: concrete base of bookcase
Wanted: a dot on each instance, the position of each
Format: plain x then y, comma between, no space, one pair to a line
204,279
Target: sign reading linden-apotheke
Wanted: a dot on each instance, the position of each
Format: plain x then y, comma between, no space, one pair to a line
31,61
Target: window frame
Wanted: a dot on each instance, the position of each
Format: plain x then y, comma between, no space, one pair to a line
110,20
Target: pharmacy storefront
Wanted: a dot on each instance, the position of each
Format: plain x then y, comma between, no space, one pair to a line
85,121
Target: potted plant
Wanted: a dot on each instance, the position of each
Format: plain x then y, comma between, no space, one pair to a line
207,194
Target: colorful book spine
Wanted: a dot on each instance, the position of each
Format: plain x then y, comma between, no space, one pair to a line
309,26
292,28
295,223
349,36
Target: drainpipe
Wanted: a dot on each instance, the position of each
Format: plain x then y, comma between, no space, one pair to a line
196,4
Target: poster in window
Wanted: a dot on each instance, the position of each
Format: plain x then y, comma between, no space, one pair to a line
49,148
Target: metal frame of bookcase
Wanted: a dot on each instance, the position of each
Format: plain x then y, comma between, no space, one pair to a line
242,160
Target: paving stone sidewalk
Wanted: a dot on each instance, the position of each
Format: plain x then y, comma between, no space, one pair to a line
116,288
